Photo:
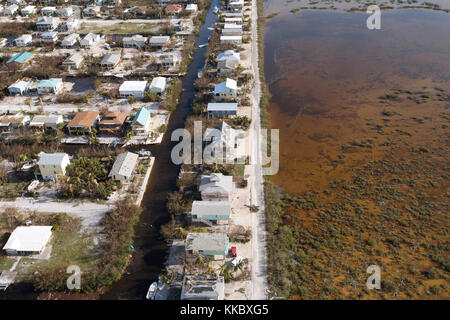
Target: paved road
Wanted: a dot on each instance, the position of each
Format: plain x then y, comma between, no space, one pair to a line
259,261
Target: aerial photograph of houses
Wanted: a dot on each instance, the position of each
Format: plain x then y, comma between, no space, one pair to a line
268,150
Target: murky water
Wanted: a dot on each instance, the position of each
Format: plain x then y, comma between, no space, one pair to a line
325,71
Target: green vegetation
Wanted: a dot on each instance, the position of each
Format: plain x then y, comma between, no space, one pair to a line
120,28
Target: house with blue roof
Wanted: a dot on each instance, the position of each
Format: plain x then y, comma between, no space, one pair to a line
141,122
21,58
53,85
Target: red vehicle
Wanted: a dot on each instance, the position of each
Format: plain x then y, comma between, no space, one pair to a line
233,252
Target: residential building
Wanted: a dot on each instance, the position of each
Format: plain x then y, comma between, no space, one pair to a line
203,287
173,9
70,25
11,10
28,10
226,66
159,41
133,88
211,212
83,122
48,11
70,40
112,122
73,61
235,5
136,41
230,29
110,61
20,86
169,60
28,240
49,37
14,121
52,165
91,11
233,20
24,40
158,85
222,144
44,24
17,2
123,167
50,86
89,40
46,122
141,122
216,187
229,55
192,8
226,90
21,59
65,12
234,40
222,110
208,245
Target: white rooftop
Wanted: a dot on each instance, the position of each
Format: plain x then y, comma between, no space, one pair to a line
32,238
133,86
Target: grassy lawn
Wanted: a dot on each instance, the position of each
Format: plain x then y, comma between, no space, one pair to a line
119,28
12,190
6,263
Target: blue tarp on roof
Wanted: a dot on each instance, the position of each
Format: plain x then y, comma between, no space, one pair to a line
21,57
141,116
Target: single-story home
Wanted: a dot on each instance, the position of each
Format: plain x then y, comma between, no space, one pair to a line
222,110
20,86
27,240
216,187
49,36
110,61
136,41
226,66
21,58
24,40
14,121
46,122
159,41
211,212
133,88
173,9
112,121
52,85
51,165
158,85
209,245
48,11
83,122
65,11
233,20
70,40
235,5
123,167
89,40
203,287
231,29
28,10
141,121
11,10
91,11
229,55
73,61
226,89
235,40
191,7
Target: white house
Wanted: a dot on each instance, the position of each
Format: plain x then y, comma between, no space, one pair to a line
89,40
191,8
141,122
70,25
228,61
46,122
158,85
136,41
28,240
110,61
222,143
48,11
49,36
230,29
169,60
28,10
133,88
226,89
73,61
11,10
123,167
216,187
91,11
51,165
15,1
235,40
159,41
21,86
65,12
24,40
70,40
47,23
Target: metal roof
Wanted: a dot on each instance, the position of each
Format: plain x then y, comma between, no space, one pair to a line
141,116
207,241
222,106
124,164
32,238
214,181
21,57
211,208
52,159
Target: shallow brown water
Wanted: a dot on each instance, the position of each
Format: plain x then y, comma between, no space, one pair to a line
325,71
